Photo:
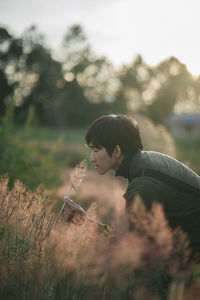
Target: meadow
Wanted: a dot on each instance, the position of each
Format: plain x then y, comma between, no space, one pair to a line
44,257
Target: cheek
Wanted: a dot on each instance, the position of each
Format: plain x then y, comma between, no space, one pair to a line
107,160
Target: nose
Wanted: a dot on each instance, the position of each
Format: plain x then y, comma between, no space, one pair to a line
92,157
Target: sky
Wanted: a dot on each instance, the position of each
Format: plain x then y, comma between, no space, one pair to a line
117,29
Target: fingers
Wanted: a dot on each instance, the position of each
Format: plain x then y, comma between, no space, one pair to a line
75,218
74,213
78,219
67,200
70,202
74,206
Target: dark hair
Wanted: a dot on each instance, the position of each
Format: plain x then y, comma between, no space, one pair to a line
111,130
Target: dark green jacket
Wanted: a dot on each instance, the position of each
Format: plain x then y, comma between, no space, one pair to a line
159,178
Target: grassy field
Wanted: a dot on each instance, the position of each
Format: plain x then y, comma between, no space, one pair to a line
69,135
38,155
44,257
40,260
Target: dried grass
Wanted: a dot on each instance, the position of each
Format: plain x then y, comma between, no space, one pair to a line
79,262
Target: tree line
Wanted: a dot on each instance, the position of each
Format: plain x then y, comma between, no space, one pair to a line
74,87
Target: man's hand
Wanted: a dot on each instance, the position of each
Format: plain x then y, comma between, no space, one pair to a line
74,212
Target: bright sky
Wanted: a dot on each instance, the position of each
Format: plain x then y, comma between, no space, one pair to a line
118,29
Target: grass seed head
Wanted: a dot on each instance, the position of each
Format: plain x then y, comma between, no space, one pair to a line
77,175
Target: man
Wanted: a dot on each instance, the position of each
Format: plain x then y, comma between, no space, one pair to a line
116,144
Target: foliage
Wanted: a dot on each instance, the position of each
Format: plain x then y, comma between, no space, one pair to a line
24,219
95,74
150,262
157,91
24,227
21,160
175,86
75,87
32,76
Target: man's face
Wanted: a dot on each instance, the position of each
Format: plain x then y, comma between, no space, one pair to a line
102,161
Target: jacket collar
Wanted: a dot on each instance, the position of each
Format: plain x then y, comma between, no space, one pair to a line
124,168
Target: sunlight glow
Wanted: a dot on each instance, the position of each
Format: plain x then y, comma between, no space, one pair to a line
155,29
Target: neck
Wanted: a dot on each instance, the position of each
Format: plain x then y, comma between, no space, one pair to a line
118,163
123,169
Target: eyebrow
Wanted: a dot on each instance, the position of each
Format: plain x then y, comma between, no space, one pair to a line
93,146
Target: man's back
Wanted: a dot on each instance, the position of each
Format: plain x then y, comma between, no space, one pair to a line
173,185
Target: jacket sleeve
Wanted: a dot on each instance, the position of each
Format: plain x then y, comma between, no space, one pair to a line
147,188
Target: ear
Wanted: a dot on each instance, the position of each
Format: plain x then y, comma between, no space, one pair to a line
117,151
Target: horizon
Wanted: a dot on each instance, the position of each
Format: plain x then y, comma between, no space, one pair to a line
155,30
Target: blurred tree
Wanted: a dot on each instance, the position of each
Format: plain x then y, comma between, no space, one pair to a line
36,79
157,91
133,78
45,78
95,75
10,49
40,78
5,89
80,85
167,88
58,96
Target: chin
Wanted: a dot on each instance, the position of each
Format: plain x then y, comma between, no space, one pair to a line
101,172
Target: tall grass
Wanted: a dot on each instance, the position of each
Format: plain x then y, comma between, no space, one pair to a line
30,160
81,262
25,222
41,258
